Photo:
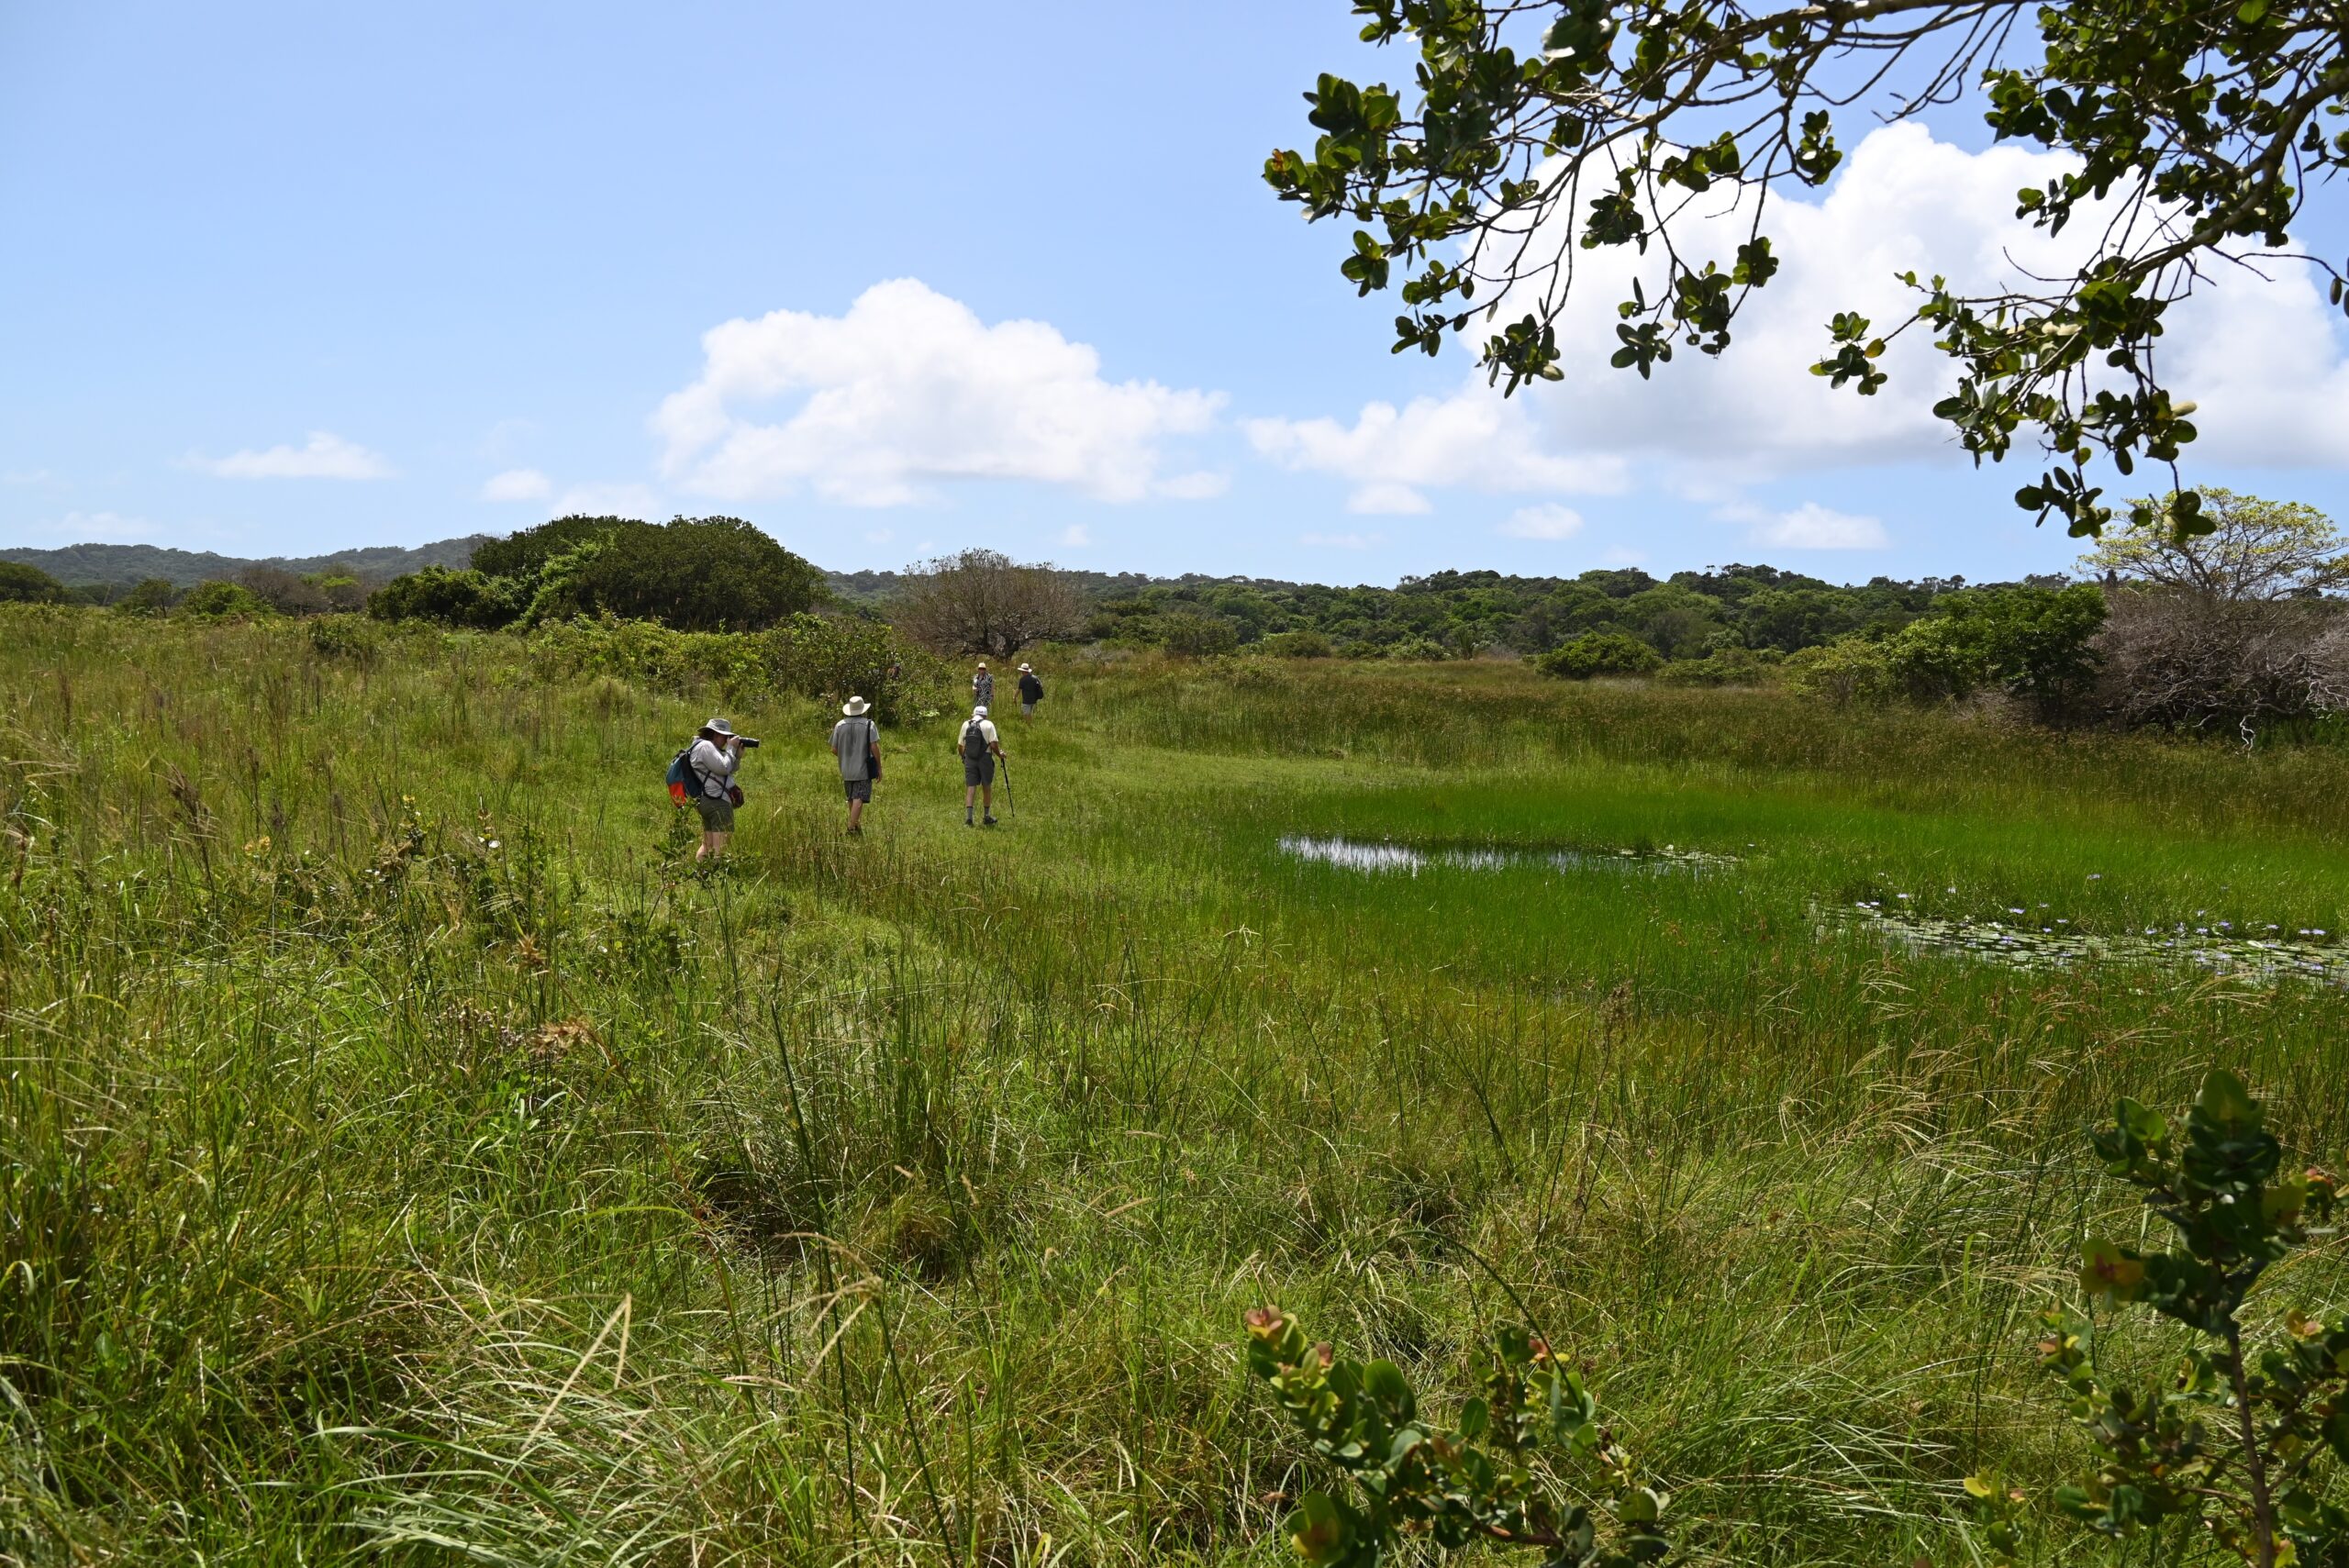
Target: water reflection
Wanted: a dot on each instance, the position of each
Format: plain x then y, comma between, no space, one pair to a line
1384,855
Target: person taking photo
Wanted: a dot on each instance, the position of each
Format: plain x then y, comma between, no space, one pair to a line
716,752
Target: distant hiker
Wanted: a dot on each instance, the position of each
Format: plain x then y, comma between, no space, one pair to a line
710,763
982,687
856,741
979,746
1031,691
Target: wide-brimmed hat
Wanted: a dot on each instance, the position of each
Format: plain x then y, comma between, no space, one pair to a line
717,726
980,711
982,663
1027,669
854,705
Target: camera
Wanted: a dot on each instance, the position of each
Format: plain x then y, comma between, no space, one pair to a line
747,741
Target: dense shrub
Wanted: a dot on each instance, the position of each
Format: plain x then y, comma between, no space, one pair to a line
148,597
1599,654
691,574
2031,641
1847,670
524,553
1190,634
1297,645
829,658
470,598
216,600
23,585
1724,667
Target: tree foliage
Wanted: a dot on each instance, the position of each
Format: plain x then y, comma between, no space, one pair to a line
2234,1449
1535,128
982,601
1599,654
2254,550
1492,1477
23,585
691,574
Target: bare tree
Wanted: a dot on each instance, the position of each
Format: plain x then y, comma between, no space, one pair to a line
982,601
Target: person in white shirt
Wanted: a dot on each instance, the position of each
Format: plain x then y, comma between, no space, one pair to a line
716,753
979,746
856,741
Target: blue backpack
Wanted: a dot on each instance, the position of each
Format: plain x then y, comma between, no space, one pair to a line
683,781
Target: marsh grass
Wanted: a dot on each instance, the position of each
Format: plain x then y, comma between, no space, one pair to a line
403,1156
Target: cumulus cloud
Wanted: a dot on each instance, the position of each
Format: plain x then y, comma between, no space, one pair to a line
1809,527
1075,535
2266,360
1551,522
518,484
324,456
910,389
1392,456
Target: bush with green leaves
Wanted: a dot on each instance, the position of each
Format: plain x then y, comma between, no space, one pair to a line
217,600
23,585
148,596
1723,667
2031,641
2236,1448
1492,1478
1599,654
467,598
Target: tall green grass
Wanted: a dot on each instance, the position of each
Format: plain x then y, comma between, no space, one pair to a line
403,1155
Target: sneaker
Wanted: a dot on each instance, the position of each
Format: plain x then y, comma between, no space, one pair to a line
990,821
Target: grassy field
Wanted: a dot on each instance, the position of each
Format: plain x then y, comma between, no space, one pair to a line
403,1156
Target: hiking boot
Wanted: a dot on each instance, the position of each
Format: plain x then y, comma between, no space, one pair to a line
989,821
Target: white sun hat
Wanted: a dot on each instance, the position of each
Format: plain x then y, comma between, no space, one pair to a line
854,705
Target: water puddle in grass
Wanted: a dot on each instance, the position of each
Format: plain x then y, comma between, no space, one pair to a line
2307,955
1385,855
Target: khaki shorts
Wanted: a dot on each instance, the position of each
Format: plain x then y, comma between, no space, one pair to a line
716,815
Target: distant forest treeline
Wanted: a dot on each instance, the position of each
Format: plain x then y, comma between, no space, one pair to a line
1681,617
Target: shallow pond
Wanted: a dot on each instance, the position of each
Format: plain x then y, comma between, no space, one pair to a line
1385,855
2026,944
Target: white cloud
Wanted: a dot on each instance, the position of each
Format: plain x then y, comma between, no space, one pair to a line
325,456
910,389
2267,361
26,476
518,484
96,528
1075,535
1475,440
1552,521
879,536
1809,527
1341,541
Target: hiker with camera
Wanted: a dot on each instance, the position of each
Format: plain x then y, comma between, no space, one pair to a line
708,767
980,748
856,741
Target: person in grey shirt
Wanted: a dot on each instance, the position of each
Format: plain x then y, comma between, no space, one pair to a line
716,753
856,741
982,687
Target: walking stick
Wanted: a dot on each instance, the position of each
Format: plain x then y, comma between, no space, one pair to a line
1010,806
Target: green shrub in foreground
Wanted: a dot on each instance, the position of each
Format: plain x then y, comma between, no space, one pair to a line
1599,654
2236,1447
1486,1479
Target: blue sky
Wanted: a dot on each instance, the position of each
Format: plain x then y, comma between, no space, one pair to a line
287,279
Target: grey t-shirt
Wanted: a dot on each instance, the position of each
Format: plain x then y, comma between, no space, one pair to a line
850,740
716,764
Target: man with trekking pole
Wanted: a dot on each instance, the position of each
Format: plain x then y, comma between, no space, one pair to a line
980,749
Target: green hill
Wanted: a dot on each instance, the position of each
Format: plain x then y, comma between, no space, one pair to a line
119,565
